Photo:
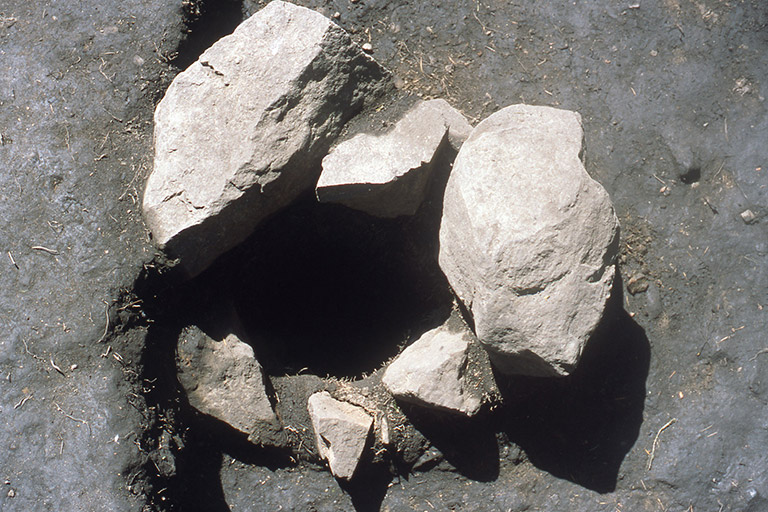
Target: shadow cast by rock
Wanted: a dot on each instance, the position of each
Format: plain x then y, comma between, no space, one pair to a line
468,444
368,487
581,427
195,483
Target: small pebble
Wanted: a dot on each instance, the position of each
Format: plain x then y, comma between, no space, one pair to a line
748,216
73,367
367,47
336,15
653,303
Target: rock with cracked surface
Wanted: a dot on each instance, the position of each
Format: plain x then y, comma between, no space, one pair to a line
242,131
444,369
341,432
387,175
528,240
223,379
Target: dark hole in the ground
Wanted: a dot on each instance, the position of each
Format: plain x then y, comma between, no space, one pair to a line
329,290
692,175
207,22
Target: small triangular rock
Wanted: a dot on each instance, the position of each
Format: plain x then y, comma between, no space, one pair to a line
223,379
444,369
341,432
387,175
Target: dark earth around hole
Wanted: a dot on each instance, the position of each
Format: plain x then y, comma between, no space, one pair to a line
666,412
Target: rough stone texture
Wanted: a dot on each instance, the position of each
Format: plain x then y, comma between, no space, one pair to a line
239,134
459,128
223,379
528,239
385,175
341,432
437,371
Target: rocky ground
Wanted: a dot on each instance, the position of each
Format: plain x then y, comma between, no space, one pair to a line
666,411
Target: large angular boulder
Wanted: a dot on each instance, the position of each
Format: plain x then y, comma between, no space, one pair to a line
341,432
444,369
387,175
528,240
242,131
222,379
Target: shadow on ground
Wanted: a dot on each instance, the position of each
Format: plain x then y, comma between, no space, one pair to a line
581,427
467,444
369,486
578,428
191,445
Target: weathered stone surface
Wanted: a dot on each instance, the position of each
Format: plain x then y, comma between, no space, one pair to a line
241,132
440,370
387,175
341,432
459,128
223,379
528,240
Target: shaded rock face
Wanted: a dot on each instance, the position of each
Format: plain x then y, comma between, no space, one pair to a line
341,432
223,379
386,175
528,240
241,132
441,371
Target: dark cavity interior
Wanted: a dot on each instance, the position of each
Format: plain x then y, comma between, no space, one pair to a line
324,289
692,175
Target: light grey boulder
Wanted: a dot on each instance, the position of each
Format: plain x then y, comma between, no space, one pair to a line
223,379
528,240
387,175
240,134
444,369
341,432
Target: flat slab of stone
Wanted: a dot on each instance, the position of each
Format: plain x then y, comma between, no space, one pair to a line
241,132
224,380
386,175
441,371
528,240
341,432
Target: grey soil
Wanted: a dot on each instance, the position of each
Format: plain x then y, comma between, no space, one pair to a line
668,410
